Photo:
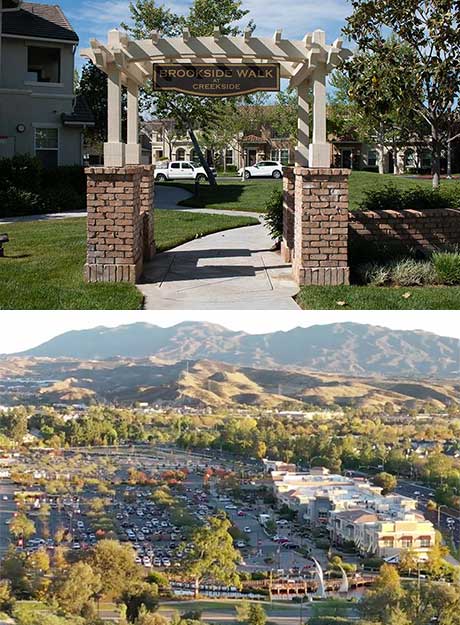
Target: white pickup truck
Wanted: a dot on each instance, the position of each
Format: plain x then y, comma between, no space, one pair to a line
179,170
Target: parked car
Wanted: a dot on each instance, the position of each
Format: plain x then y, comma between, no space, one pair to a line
179,170
264,169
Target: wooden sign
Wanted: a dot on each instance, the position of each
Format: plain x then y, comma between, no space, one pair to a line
216,80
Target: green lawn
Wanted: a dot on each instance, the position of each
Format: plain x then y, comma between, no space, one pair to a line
43,264
378,298
252,195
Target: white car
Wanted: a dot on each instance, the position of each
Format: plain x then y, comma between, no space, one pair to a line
247,530
179,170
264,169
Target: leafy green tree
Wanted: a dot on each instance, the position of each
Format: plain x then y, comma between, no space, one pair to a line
384,597
7,600
257,615
429,81
22,526
137,595
114,563
212,555
386,481
75,587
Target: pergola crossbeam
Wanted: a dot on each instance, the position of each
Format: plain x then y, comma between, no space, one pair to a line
305,63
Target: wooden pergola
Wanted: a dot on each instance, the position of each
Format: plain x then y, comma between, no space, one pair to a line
305,63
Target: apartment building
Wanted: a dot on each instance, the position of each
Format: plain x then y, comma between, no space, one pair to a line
39,113
354,511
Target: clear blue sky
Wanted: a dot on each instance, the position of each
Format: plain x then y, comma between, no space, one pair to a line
93,18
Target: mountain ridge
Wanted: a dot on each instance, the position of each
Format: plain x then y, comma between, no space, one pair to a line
348,348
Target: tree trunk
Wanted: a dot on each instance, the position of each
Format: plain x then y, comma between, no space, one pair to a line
436,157
449,158
204,163
381,154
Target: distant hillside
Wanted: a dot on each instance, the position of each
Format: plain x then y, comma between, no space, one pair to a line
206,383
348,348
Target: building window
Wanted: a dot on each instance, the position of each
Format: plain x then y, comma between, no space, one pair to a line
410,158
229,157
426,160
425,541
372,158
284,158
406,542
193,156
47,146
44,64
180,154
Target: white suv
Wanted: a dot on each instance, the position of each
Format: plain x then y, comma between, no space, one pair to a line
179,170
264,169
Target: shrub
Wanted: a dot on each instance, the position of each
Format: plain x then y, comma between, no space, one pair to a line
404,272
70,177
21,171
390,197
274,214
63,199
14,201
373,273
409,272
447,267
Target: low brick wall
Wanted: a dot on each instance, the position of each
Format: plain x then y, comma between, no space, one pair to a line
120,222
422,230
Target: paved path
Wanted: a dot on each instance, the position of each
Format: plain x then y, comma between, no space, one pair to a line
231,270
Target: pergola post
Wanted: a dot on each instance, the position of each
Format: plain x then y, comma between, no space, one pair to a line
320,149
133,148
114,149
303,131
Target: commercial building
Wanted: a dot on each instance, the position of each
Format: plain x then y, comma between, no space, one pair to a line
355,512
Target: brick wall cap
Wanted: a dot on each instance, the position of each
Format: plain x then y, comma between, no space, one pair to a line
321,171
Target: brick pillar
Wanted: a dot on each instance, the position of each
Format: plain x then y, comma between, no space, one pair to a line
321,226
115,224
147,197
287,244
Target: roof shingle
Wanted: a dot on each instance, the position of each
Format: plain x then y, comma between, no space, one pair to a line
39,20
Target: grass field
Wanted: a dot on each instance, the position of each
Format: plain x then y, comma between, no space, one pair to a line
43,264
252,195
378,298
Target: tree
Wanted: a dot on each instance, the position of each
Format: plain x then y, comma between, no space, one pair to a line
114,563
22,527
384,598
6,596
212,554
76,587
386,481
137,595
257,615
189,112
429,82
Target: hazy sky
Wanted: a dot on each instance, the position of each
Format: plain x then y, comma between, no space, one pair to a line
21,330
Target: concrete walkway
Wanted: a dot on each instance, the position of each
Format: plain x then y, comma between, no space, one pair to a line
231,270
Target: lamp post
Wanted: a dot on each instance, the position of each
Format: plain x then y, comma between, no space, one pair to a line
439,513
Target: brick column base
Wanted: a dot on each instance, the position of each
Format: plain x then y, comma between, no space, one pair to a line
321,227
115,224
147,196
287,243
